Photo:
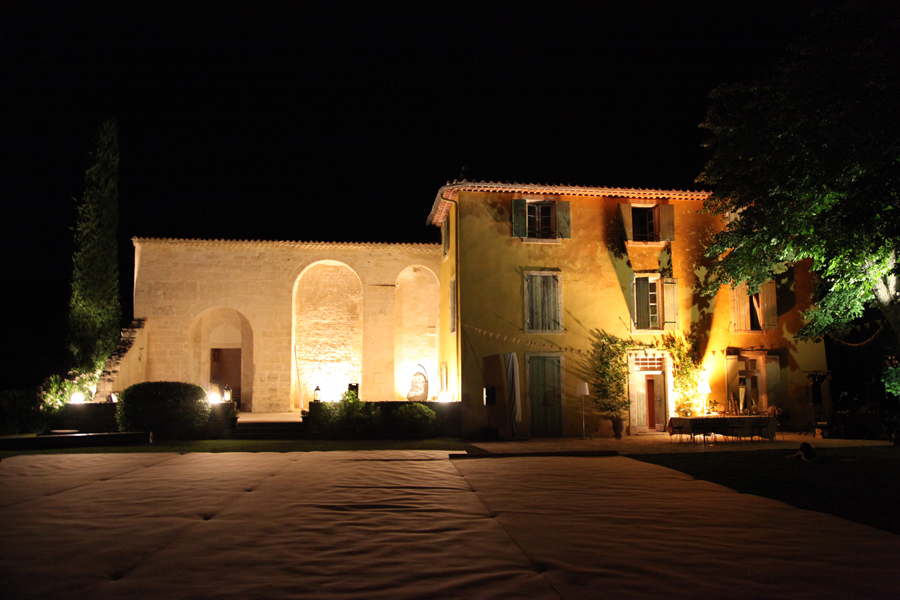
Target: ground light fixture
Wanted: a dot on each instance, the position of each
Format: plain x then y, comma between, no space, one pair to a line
582,390
77,397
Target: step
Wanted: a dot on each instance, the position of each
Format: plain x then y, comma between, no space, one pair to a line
270,431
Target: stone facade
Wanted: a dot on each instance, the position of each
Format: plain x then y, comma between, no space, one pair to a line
283,318
532,269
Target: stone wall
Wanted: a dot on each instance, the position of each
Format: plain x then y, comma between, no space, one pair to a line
304,315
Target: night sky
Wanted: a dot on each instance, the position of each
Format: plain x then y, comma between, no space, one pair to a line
339,121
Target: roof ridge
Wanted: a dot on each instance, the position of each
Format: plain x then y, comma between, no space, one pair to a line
137,239
599,190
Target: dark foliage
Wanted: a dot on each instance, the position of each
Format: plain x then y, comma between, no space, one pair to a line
20,412
170,409
95,312
806,162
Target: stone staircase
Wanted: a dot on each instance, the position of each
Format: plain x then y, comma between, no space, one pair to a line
285,430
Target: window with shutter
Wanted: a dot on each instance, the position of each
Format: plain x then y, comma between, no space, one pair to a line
655,303
648,223
754,312
543,302
541,221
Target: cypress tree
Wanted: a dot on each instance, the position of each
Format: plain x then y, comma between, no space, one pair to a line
95,312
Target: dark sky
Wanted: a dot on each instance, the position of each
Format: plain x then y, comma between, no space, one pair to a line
337,121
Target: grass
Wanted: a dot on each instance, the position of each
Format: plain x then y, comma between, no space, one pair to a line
856,483
449,444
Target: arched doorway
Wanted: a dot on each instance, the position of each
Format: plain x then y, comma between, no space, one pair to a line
221,342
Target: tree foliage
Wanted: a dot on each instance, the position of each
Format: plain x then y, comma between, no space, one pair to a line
94,310
808,161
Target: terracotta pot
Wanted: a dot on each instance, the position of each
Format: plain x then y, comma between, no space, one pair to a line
618,426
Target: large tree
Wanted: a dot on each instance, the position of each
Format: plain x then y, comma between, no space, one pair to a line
806,165
95,312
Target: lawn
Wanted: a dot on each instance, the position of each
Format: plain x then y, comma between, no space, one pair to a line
449,444
856,483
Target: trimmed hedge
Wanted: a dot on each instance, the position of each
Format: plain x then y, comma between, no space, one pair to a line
170,409
353,419
412,421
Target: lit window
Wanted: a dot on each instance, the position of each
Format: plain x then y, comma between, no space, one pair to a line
541,220
543,302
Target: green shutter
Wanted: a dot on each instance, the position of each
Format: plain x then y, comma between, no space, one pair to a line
533,309
550,304
666,223
563,221
625,213
642,303
670,303
519,219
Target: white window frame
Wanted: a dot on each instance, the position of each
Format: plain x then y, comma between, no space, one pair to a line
527,303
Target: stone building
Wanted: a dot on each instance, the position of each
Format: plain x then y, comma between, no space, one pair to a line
528,271
276,320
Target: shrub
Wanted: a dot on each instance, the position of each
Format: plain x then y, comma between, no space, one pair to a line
413,420
20,412
170,409
350,418
891,379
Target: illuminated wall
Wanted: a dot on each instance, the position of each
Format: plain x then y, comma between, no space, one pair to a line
303,313
415,330
328,330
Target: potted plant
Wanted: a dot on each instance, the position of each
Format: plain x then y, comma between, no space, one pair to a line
606,373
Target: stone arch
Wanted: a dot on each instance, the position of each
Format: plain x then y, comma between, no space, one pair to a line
225,329
416,298
327,332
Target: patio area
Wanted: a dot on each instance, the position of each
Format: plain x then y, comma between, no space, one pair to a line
416,524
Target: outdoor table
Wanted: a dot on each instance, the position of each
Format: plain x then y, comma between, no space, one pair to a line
721,424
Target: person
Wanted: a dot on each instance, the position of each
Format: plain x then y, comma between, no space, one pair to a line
806,452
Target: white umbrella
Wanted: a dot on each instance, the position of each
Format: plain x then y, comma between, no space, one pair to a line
512,390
